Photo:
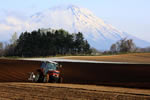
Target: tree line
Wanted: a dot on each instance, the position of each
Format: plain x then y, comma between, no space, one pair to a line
50,43
60,42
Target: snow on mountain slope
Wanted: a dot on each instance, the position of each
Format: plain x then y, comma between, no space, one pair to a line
74,19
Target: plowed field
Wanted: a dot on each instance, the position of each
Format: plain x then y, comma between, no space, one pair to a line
16,70
111,74
46,91
124,75
133,58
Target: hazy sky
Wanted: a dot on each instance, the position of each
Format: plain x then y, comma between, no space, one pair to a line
131,16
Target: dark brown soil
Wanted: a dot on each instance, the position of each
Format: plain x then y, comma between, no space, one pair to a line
124,75
16,70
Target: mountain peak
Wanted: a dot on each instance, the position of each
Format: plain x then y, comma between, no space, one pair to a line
75,19
72,7
64,7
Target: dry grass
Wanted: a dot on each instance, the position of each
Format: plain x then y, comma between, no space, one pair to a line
132,57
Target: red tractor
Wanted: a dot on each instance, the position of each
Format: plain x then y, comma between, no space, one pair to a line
49,71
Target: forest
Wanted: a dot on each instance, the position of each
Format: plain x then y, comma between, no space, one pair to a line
50,43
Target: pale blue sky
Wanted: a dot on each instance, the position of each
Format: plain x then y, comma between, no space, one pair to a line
132,16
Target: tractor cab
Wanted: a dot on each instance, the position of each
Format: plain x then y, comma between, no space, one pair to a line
49,66
49,72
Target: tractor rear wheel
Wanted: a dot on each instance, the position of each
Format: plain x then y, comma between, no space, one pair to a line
40,77
60,80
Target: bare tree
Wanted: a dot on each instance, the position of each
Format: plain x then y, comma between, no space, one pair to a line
123,45
1,45
1,49
113,48
10,47
14,38
95,51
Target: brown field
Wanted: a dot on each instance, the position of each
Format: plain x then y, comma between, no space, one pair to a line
108,74
16,70
47,91
124,75
133,57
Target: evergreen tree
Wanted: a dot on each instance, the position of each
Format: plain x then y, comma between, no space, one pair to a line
51,43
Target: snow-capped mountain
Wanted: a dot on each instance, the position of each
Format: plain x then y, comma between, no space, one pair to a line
74,19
